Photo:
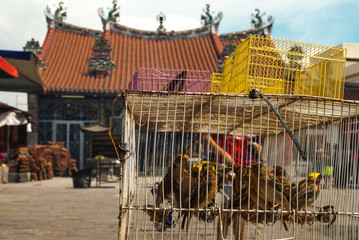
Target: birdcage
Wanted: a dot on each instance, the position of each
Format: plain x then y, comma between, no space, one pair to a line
277,66
171,80
261,178
216,82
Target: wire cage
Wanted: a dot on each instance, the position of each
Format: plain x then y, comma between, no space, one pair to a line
277,66
266,178
180,80
216,79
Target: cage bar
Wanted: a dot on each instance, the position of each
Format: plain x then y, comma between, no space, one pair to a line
160,125
181,80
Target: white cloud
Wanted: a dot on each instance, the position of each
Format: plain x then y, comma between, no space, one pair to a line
5,23
173,22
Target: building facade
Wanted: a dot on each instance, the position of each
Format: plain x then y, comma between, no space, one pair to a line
84,69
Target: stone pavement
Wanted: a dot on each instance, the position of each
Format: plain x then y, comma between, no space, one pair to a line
53,209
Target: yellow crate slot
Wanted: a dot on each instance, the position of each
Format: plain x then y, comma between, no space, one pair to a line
216,82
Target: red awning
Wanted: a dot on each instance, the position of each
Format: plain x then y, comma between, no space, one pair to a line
28,77
7,70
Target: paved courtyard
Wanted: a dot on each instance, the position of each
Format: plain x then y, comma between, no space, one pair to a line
53,209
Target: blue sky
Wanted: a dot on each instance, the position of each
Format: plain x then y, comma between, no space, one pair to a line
330,25
329,22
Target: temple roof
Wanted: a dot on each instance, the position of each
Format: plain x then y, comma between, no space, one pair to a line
67,48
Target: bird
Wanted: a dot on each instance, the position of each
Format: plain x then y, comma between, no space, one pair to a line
161,218
155,215
285,188
270,188
266,192
306,192
282,183
210,180
193,178
238,200
170,186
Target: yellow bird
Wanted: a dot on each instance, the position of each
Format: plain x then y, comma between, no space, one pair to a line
306,192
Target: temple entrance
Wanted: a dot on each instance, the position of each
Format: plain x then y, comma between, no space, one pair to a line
70,134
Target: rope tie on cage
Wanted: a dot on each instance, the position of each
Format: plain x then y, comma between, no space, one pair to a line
252,95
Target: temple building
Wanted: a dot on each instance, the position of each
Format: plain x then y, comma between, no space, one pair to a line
84,69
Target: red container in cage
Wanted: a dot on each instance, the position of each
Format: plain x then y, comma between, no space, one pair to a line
179,80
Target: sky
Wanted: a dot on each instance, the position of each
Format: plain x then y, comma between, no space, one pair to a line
328,22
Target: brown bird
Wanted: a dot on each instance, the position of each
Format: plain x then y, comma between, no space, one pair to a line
161,218
192,181
210,181
238,200
270,188
280,174
284,186
189,183
266,193
282,183
155,215
170,187
306,192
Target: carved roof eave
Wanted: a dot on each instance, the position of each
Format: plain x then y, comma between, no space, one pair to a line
71,28
132,32
246,33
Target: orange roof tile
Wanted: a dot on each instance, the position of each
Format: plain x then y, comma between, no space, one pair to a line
66,53
66,50
218,44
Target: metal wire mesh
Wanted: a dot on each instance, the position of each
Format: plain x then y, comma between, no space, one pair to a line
216,82
227,199
277,66
171,80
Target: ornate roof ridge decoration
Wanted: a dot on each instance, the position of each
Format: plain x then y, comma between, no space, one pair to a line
114,13
144,34
161,30
263,30
68,27
60,12
100,63
32,46
257,20
208,18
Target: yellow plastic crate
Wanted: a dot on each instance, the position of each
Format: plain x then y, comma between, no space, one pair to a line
277,66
